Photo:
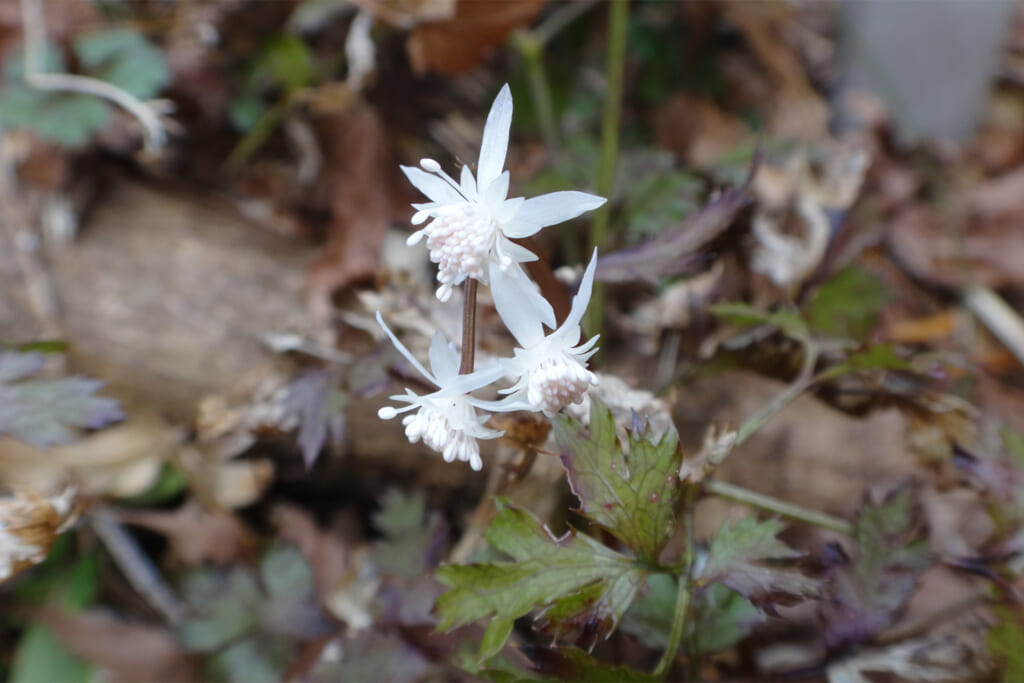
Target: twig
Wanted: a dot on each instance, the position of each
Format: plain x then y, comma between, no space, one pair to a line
468,327
998,317
759,500
138,568
35,36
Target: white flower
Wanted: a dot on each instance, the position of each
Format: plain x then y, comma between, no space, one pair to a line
473,220
446,419
551,370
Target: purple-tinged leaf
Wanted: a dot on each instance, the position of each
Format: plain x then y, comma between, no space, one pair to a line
543,570
633,497
865,596
44,412
320,406
737,556
675,250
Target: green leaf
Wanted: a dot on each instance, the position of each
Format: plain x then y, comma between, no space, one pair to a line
42,412
68,119
877,357
736,558
788,322
124,58
413,537
721,617
848,304
286,61
40,655
658,200
1005,640
572,664
864,596
634,496
543,569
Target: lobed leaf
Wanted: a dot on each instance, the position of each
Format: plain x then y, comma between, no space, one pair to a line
865,595
633,497
543,570
848,305
124,58
42,412
736,558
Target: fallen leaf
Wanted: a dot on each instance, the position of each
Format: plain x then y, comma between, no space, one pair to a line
123,650
28,526
196,536
453,46
357,172
672,252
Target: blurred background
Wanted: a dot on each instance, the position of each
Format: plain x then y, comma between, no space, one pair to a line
201,211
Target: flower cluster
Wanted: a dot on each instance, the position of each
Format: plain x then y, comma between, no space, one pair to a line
469,228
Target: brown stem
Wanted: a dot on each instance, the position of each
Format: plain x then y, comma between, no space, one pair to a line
468,327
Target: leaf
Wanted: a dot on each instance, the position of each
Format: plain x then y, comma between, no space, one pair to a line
68,119
673,251
320,406
124,58
414,540
721,617
1005,640
866,595
632,497
543,569
572,664
788,322
848,304
736,558
451,47
876,357
286,62
42,412
659,199
374,656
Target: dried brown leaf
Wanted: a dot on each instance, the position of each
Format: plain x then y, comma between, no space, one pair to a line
196,536
28,525
454,46
125,651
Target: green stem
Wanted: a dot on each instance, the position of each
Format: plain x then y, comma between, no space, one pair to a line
802,382
780,507
684,589
618,18
675,635
531,50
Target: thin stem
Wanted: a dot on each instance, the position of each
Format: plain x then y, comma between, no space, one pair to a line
468,327
540,91
802,382
559,19
684,588
35,36
618,18
780,507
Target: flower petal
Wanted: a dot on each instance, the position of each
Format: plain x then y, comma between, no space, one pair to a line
582,298
495,193
488,374
468,184
494,145
517,252
515,305
555,207
443,360
405,352
517,228
431,185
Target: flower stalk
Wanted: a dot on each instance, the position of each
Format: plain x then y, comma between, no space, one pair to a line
468,328
618,19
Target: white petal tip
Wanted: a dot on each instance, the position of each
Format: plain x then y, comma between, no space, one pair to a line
430,165
386,413
414,238
419,217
